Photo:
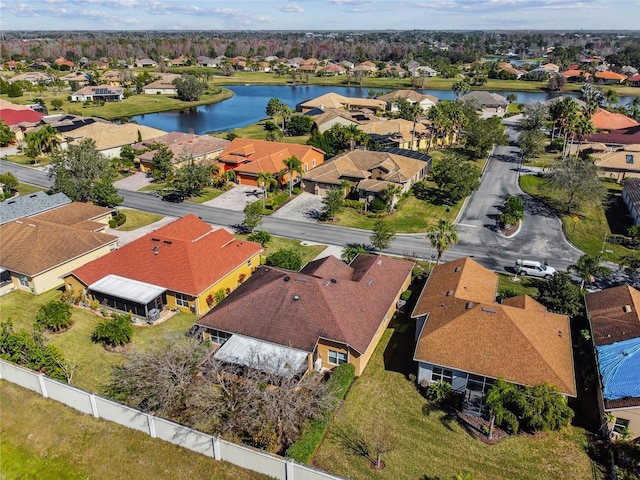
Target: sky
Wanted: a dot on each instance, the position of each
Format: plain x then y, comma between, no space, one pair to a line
317,15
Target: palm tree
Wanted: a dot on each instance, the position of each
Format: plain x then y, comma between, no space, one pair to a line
611,96
589,266
293,165
583,128
442,236
634,108
389,194
266,180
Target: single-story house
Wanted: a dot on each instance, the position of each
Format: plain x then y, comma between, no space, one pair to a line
29,205
411,96
399,133
335,100
610,78
604,120
145,63
327,314
103,93
34,78
38,252
81,78
468,340
110,138
249,157
634,80
164,86
181,265
423,71
204,61
487,102
325,119
202,148
368,172
615,329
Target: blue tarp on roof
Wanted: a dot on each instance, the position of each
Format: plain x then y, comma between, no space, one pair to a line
620,369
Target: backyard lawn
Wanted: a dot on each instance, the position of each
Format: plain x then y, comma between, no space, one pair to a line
434,446
593,222
47,440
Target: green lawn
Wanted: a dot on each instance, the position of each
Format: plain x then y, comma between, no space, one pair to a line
28,161
307,252
47,440
93,361
414,216
257,131
26,189
163,188
522,285
593,223
137,219
434,446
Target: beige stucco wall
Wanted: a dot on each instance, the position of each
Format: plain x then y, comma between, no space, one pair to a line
55,277
631,414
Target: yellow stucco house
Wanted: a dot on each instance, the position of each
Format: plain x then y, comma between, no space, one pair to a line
39,251
327,314
179,266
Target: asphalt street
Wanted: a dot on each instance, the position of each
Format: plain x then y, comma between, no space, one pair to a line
540,238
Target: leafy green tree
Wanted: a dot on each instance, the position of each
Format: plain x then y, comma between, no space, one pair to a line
127,156
274,107
10,181
442,237
589,266
533,116
285,258
560,295
294,165
161,163
252,216
189,88
78,169
54,316
192,177
512,211
262,237
482,134
332,203
455,178
14,90
512,97
300,125
41,141
383,235
56,104
532,143
460,88
6,135
114,332
577,181
105,194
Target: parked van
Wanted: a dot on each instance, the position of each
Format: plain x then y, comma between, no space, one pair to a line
533,268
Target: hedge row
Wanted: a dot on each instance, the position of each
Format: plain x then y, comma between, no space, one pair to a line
118,220
303,449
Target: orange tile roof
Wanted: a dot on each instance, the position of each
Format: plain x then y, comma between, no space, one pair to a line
604,120
191,257
466,330
611,76
261,156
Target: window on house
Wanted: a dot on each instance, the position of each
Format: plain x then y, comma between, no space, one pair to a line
439,373
219,337
249,263
337,358
182,300
620,425
313,162
629,158
24,281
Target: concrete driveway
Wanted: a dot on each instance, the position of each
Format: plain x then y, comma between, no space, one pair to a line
541,236
306,207
134,182
236,198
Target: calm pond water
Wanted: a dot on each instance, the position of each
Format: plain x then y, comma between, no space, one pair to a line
249,102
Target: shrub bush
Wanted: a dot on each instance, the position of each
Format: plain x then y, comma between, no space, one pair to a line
114,332
377,205
297,191
285,258
355,204
54,316
405,295
262,237
277,200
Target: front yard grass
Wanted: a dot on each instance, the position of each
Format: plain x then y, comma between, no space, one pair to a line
307,252
28,161
435,446
594,222
47,440
414,216
137,219
26,189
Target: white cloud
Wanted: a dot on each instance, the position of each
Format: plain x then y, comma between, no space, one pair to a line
290,8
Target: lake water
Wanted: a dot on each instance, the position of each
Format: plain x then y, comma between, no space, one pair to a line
249,102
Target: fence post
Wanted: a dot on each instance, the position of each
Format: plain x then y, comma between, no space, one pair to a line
42,385
288,469
94,405
152,426
216,448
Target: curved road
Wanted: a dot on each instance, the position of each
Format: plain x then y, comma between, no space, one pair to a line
540,237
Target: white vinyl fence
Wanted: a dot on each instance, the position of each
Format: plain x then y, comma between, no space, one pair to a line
209,445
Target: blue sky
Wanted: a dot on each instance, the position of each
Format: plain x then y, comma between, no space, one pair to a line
310,15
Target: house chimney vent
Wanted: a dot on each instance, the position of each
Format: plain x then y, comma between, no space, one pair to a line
489,310
296,297
287,278
627,309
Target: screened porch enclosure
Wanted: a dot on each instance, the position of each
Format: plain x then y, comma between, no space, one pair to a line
126,295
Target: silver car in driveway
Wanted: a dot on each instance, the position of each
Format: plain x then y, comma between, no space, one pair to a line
534,269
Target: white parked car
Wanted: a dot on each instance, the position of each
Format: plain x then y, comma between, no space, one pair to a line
534,268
